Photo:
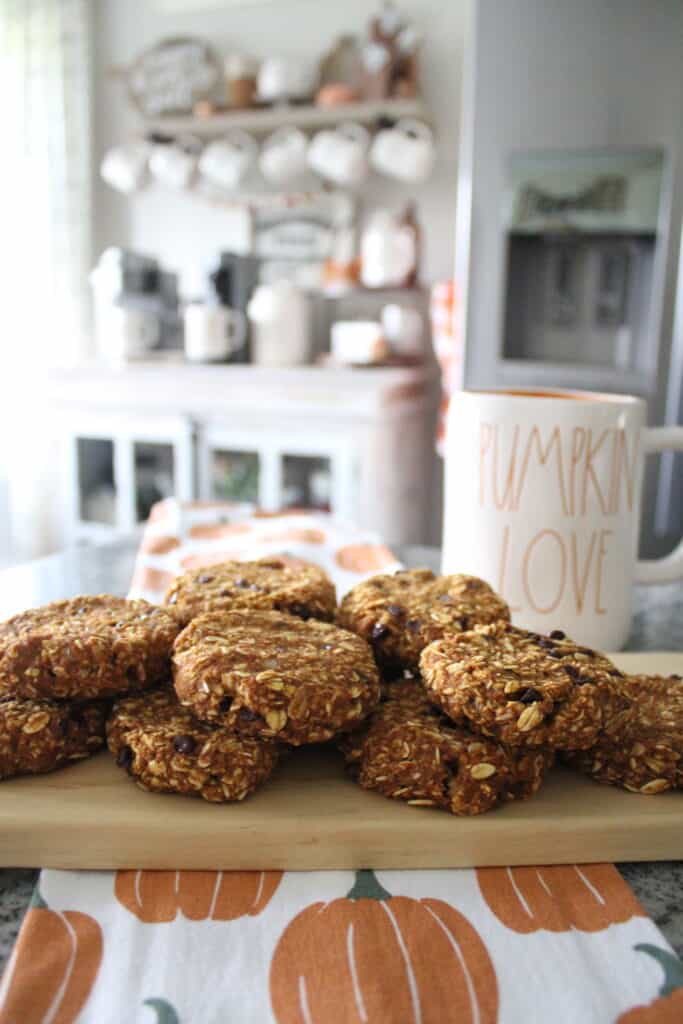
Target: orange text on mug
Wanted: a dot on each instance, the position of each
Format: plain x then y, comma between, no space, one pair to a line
590,471
543,500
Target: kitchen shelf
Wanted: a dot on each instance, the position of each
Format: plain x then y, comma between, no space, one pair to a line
266,119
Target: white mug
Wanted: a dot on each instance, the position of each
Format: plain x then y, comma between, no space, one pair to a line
212,333
283,155
355,342
125,167
174,163
543,500
126,332
225,161
340,155
406,151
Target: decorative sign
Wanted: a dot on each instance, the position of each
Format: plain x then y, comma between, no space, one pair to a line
293,238
173,76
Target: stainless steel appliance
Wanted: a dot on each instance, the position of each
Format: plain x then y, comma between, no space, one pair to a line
231,284
135,304
583,234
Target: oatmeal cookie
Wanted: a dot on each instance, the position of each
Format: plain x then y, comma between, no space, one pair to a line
401,614
410,751
519,687
85,647
166,750
272,675
268,584
40,735
641,746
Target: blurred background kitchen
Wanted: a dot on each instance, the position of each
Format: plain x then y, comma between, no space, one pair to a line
252,246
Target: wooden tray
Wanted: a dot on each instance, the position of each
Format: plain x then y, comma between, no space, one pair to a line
310,816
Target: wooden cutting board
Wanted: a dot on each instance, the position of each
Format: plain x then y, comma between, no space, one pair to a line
310,816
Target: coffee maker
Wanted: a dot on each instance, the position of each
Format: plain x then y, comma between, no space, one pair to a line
135,305
231,283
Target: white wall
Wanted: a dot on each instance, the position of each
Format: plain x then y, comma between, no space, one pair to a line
182,230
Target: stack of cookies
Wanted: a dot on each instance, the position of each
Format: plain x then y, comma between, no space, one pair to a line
421,681
60,665
491,705
257,668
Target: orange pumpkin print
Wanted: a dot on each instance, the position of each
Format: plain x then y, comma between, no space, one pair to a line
147,578
158,544
266,513
293,561
161,510
668,1008
209,558
53,967
373,958
156,897
364,557
587,897
303,536
210,503
214,531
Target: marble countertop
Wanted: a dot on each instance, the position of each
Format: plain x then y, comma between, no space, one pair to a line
657,625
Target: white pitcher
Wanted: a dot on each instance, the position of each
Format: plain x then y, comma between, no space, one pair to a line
387,251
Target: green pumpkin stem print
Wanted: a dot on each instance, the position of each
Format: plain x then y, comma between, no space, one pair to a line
668,1007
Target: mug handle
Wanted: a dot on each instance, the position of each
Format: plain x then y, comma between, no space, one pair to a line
235,329
354,131
283,132
409,126
669,568
243,141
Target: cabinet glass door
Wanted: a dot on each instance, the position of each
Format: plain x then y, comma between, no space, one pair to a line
234,475
154,476
96,487
306,482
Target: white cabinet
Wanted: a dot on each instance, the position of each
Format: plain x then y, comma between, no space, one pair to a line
119,465
301,467
358,443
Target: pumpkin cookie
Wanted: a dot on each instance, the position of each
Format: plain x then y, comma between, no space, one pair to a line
167,750
641,746
269,583
402,613
522,688
85,647
272,675
38,736
409,751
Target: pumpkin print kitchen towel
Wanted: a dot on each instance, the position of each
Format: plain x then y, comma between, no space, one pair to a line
567,944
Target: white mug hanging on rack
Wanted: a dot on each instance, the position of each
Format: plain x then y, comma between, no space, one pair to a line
340,155
406,151
225,161
175,163
125,167
283,155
